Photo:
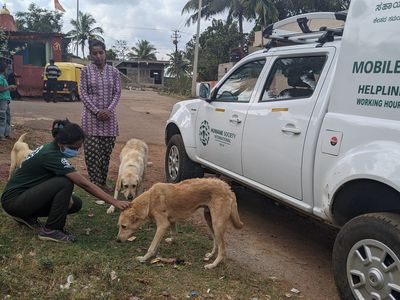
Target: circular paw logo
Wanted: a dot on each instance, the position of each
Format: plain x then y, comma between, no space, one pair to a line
204,132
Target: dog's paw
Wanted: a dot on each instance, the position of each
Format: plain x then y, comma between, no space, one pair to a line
141,259
207,257
209,266
110,210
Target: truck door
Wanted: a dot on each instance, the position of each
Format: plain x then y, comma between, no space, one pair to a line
280,119
220,122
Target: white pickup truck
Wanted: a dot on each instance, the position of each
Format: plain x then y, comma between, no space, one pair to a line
313,122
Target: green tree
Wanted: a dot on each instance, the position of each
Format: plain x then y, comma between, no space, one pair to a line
288,8
179,67
38,19
215,45
179,70
121,49
143,50
237,10
264,11
84,30
110,54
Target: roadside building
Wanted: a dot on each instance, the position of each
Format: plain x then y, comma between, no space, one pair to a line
142,73
30,52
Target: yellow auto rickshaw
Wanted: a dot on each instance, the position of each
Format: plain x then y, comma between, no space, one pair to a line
68,82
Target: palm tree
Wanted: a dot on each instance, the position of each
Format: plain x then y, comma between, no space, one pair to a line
179,67
237,9
264,11
143,50
84,31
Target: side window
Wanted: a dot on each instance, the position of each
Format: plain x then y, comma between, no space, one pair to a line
240,84
293,77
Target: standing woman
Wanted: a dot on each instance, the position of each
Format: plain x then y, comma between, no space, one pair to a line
100,93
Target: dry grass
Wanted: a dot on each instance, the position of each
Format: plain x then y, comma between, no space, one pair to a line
33,269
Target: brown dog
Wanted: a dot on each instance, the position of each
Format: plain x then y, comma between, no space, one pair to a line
18,154
133,162
167,203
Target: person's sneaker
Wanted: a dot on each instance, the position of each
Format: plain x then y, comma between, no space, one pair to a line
32,223
55,236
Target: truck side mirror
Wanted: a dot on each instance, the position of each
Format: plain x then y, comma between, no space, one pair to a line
204,91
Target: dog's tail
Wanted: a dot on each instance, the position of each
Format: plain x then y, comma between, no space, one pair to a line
235,213
22,137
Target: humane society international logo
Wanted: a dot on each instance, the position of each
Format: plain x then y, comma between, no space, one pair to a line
204,132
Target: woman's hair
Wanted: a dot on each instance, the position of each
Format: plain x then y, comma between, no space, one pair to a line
65,132
94,43
3,67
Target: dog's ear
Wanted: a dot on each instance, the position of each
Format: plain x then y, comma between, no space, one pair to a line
143,205
118,184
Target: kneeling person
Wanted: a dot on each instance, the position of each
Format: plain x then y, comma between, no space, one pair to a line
43,185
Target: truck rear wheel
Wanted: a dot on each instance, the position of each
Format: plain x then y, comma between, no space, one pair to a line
366,257
73,97
178,166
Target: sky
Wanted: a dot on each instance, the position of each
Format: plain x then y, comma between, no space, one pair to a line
130,20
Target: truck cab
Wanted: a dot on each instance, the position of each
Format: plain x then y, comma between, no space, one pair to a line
313,122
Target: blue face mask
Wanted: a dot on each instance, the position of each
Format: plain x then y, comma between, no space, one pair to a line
70,152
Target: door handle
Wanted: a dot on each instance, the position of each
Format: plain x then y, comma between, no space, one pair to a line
290,128
235,121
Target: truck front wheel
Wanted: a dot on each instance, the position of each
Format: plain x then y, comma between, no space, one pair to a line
366,257
178,166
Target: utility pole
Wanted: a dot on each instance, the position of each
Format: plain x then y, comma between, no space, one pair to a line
196,52
77,24
175,36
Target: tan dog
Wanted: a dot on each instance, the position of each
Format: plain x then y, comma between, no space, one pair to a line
132,167
167,203
18,154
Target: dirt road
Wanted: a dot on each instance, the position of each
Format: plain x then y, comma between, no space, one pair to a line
276,241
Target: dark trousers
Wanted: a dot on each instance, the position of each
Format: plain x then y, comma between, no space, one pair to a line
49,199
52,90
98,150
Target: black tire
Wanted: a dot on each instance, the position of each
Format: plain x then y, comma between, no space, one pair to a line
73,97
366,257
178,166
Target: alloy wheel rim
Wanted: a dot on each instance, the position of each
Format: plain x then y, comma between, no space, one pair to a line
173,162
373,271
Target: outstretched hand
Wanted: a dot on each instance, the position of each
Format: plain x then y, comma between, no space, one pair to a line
121,204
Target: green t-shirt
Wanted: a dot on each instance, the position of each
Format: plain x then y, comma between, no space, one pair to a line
4,95
42,164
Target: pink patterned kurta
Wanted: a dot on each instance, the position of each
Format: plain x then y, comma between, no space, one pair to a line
100,89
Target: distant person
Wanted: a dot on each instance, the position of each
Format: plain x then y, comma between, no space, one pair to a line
43,185
100,94
5,98
52,73
12,80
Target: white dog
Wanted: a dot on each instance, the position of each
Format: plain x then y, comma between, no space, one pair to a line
18,154
133,162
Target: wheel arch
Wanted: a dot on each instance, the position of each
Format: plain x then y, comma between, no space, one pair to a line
362,196
170,130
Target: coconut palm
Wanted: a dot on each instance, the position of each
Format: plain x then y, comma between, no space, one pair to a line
262,10
237,10
84,30
179,67
143,50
